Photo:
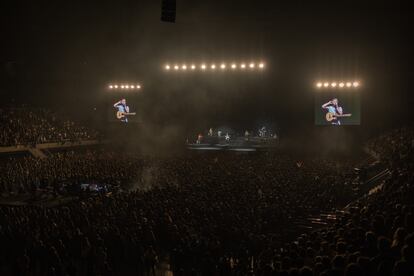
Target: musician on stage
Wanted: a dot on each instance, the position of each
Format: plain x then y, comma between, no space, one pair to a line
122,107
333,107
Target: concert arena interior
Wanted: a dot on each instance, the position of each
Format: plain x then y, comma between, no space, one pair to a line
181,137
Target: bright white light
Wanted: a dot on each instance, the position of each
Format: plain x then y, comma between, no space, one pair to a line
203,67
176,67
251,65
242,66
355,84
110,87
193,67
326,84
138,86
223,66
127,86
184,67
333,84
132,86
348,84
233,66
341,84
261,65
167,67
122,87
319,84
115,86
213,66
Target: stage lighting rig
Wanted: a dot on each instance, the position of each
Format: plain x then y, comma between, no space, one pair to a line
124,86
341,84
213,66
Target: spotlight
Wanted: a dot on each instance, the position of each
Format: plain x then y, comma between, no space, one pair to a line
132,87
167,67
110,87
355,84
326,84
193,67
138,86
261,65
319,84
333,84
203,67
242,66
252,65
213,66
233,66
176,67
223,66
122,86
127,86
184,67
115,86
341,84
348,84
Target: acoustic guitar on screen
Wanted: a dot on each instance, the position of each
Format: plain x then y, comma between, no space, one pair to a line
121,114
332,116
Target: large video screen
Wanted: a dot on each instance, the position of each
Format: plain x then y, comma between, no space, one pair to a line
337,108
123,107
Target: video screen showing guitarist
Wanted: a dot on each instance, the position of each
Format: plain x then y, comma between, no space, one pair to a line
123,110
334,112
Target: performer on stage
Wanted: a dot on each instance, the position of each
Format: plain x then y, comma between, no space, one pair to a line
227,137
333,107
122,107
199,138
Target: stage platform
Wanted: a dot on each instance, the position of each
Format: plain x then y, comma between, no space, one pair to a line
238,144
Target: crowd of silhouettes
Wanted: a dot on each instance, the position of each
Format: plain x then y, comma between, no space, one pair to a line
211,214
30,126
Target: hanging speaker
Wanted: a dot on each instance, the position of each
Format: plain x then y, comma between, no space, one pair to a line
168,11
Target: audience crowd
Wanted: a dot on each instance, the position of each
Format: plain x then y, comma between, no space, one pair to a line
29,126
210,214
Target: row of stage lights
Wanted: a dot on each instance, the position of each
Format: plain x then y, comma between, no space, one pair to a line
334,84
222,66
124,86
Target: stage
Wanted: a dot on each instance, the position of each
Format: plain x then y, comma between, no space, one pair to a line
241,144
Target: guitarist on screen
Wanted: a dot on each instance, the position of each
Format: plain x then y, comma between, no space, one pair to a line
122,110
334,112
